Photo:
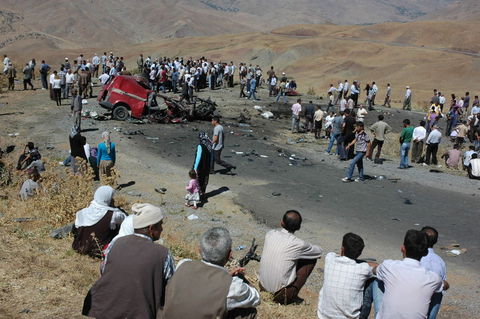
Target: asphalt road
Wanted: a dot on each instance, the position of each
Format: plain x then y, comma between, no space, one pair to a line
380,211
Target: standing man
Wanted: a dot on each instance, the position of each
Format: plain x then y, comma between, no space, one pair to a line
441,100
296,109
96,65
27,76
379,130
76,108
253,88
419,135
317,119
388,96
405,141
346,86
140,63
44,69
362,144
374,90
137,265
217,147
69,80
103,60
11,74
407,102
466,101
354,92
309,114
339,92
434,263
6,62
433,140
336,133
287,261
51,81
271,75
408,286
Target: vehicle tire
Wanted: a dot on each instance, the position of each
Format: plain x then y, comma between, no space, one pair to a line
120,113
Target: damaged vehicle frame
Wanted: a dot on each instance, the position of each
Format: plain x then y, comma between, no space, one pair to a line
130,96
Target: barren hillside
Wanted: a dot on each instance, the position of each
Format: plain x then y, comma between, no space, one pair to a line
107,22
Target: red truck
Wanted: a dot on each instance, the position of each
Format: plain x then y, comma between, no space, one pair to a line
127,96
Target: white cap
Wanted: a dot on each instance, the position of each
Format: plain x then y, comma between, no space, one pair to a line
146,215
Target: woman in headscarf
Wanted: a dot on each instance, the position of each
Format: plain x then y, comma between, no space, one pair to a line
98,224
202,162
106,155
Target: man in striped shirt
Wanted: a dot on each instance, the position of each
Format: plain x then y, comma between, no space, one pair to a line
287,261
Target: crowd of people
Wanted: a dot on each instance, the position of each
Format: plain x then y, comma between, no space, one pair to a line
140,279
408,288
343,124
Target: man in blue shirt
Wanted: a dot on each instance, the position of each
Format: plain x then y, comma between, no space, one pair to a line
434,263
44,68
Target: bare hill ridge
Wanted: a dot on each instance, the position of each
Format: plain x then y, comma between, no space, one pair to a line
107,22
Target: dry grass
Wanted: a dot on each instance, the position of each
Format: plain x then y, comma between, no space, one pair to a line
43,277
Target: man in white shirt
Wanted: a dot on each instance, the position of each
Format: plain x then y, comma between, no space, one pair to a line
419,135
474,168
6,62
104,78
434,263
343,103
374,92
340,92
361,113
226,75
343,281
96,64
475,109
287,261
317,120
467,156
346,86
433,140
408,286
407,102
296,109
50,86
441,100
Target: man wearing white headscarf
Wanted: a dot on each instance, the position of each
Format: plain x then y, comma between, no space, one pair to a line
98,224
126,228
136,272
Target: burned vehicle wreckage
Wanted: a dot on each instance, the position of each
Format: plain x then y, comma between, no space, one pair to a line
130,96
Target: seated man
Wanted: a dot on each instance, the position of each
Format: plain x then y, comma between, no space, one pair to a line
30,154
287,261
205,289
344,279
453,157
135,275
434,263
408,286
474,168
31,186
